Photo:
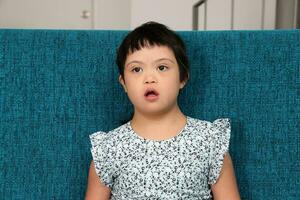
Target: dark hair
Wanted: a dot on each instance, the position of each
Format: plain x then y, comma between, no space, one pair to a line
150,34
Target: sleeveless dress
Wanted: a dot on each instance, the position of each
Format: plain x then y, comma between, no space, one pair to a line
182,167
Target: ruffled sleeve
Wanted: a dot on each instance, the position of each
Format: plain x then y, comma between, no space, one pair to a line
219,146
102,153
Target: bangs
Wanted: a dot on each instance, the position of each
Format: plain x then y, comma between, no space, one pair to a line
146,41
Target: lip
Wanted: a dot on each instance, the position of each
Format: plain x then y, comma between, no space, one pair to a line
151,97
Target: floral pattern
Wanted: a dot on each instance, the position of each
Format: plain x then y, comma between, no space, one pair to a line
182,167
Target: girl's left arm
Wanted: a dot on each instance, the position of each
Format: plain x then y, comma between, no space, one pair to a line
226,185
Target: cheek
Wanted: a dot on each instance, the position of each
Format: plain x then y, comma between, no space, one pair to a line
173,80
132,88
171,87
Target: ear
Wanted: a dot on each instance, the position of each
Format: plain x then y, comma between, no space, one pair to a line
182,84
122,82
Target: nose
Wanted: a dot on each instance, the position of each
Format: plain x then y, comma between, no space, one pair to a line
153,81
150,78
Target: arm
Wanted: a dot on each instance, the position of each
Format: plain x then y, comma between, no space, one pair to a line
95,189
226,186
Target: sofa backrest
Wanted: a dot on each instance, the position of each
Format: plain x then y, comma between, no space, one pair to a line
59,86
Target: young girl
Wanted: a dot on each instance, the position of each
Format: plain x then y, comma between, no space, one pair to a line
160,153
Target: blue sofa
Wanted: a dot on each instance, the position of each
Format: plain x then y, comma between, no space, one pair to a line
59,86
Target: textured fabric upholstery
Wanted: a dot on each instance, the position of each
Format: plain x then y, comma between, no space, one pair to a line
59,86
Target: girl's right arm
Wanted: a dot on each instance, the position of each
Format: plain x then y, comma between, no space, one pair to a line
95,189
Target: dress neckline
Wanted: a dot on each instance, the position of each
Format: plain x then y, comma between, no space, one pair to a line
178,135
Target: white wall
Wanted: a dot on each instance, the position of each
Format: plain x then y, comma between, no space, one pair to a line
219,15
214,15
177,14
248,13
44,14
112,14
65,14
128,14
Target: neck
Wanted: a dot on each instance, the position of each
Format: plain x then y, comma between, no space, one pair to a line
159,120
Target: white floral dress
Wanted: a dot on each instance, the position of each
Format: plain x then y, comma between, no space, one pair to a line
182,167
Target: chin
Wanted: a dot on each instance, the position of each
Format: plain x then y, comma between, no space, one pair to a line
154,110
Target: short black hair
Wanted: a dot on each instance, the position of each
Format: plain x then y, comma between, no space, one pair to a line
150,34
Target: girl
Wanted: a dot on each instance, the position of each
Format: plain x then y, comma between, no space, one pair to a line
160,153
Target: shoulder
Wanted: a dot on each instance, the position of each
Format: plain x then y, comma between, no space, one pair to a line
110,137
220,126
216,124
221,123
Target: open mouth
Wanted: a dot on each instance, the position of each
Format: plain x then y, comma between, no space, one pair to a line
151,94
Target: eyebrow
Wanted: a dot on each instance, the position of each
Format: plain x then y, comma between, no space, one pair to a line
158,60
161,59
134,61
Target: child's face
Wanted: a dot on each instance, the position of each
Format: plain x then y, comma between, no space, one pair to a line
152,68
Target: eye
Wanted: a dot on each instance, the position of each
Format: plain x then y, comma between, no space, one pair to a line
162,68
136,69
